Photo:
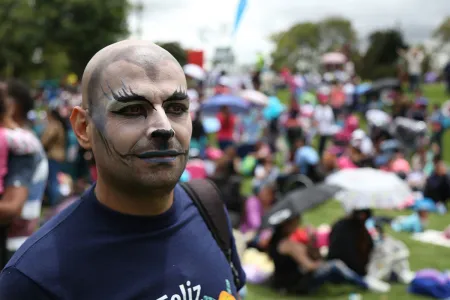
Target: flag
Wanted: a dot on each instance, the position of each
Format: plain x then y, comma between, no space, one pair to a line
239,12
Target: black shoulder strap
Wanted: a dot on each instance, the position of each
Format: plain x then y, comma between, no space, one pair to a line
208,200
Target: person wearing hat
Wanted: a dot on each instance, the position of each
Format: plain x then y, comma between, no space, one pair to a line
363,147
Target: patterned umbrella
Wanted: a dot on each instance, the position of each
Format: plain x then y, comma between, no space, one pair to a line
370,188
255,97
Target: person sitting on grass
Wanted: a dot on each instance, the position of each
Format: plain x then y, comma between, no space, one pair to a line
299,272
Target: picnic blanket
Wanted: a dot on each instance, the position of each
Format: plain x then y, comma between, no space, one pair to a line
434,237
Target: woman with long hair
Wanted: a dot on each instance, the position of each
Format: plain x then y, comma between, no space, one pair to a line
54,140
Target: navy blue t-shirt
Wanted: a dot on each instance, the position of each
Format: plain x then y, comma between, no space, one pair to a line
92,252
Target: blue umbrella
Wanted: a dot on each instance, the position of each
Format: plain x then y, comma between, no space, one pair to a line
274,109
211,124
237,105
362,88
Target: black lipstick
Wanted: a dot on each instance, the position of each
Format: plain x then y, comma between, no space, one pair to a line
161,153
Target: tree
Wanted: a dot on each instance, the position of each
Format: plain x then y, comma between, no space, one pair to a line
308,41
83,27
442,33
19,37
382,54
299,42
176,50
70,30
337,33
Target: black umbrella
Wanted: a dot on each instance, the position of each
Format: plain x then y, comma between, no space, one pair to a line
409,132
297,202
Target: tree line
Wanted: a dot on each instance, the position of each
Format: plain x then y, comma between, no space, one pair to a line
307,41
43,39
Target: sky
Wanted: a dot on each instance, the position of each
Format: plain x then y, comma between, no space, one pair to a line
205,24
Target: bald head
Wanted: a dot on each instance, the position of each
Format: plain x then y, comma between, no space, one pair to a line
144,54
135,104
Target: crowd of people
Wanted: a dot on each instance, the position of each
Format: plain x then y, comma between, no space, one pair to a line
50,156
331,124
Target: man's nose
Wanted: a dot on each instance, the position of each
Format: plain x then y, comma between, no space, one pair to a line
163,134
159,126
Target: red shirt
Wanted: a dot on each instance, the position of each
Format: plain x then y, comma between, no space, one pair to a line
219,90
227,126
337,97
300,236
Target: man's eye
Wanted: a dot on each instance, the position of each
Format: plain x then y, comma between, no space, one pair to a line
176,109
133,110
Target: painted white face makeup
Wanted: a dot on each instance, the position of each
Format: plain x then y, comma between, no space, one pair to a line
143,126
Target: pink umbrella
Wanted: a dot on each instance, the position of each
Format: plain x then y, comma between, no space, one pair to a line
334,58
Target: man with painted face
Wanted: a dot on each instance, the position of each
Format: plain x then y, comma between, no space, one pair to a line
135,234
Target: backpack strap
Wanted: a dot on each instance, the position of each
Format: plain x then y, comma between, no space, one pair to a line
208,200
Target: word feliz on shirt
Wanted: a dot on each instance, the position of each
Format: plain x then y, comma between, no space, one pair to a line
194,293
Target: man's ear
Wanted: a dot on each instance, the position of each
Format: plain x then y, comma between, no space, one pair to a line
80,126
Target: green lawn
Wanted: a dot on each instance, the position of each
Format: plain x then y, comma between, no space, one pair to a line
422,255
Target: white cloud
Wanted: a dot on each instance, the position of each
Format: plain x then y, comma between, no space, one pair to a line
183,20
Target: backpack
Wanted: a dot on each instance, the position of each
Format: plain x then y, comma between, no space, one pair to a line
208,200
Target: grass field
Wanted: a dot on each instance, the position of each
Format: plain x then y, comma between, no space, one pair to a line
422,255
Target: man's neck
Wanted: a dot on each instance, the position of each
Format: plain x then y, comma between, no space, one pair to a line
131,205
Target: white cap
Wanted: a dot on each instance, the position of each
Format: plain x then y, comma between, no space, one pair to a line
366,146
361,141
357,137
358,134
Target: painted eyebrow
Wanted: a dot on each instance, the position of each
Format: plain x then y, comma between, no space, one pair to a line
178,95
126,94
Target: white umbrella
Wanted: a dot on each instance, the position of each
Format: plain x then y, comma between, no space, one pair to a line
335,58
378,117
445,108
255,97
194,71
370,188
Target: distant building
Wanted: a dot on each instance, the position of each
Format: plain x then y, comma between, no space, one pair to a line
224,58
